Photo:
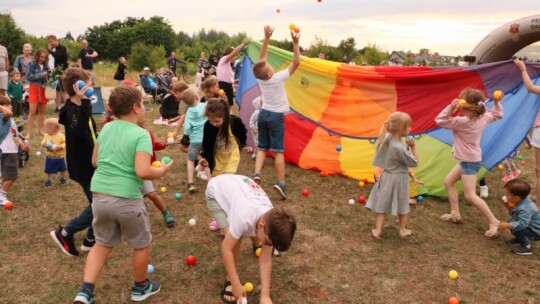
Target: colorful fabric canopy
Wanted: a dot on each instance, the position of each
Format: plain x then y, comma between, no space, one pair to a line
337,104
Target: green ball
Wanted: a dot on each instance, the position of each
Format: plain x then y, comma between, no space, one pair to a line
520,157
166,160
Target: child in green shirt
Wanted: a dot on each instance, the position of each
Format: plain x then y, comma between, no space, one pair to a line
15,92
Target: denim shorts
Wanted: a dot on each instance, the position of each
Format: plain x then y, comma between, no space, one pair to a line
194,150
271,131
468,168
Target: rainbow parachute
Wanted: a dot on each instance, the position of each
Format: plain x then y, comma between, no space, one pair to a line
336,104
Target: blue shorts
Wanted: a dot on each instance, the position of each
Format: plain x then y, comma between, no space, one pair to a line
468,168
194,150
271,131
54,165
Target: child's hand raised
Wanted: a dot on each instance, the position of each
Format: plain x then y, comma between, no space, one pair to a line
410,142
295,37
268,30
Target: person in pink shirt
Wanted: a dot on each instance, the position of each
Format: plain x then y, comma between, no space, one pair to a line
535,138
225,74
467,131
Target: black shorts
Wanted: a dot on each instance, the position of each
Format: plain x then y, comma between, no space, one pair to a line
10,166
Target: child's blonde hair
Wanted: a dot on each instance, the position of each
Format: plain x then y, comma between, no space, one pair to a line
207,84
475,107
14,73
394,124
189,97
260,70
52,123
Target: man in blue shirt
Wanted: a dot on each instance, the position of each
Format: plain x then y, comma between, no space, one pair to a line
150,86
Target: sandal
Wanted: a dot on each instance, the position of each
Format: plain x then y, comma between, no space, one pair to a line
227,293
450,218
374,235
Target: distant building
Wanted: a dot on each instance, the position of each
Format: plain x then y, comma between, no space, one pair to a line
397,58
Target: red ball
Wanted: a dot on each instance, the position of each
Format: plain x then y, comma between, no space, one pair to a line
278,11
8,205
296,30
319,0
190,260
365,180
323,174
523,163
453,300
361,199
305,192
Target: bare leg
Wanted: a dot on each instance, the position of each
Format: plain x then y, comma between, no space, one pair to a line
95,262
403,231
190,170
41,117
449,181
157,200
280,167
379,221
140,260
469,189
259,162
31,117
537,171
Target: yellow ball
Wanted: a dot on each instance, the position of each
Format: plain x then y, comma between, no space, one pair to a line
258,252
221,92
248,287
169,134
361,184
498,95
156,164
163,189
462,102
292,26
500,167
452,274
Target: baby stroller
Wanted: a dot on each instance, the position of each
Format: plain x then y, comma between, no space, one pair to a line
25,102
24,156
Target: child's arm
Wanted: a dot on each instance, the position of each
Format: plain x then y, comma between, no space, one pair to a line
265,269
145,171
94,155
7,112
237,50
296,53
520,220
227,248
180,120
526,78
264,49
444,118
415,180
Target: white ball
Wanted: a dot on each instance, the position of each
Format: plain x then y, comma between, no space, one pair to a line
351,202
170,140
192,222
242,301
38,153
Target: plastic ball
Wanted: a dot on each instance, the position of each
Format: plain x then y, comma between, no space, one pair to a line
419,198
163,189
338,148
278,11
365,180
361,199
319,1
8,205
292,26
169,134
297,30
305,192
192,222
500,167
156,164
190,260
323,174
453,300
351,202
150,269
80,84
523,163
361,184
452,274
520,157
166,160
221,92
258,252
49,145
38,153
248,287
498,95
170,140
89,92
462,102
177,196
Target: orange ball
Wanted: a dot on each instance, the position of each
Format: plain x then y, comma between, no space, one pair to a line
278,11
453,300
323,174
498,95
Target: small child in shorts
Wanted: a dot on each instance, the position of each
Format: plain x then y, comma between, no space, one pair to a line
55,143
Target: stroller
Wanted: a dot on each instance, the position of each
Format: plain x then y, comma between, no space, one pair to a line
25,102
24,156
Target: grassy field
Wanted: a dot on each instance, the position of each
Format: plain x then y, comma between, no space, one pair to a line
333,258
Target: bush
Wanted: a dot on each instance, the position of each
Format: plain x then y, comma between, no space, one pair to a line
146,56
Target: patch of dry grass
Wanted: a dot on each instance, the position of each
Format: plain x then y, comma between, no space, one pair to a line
333,258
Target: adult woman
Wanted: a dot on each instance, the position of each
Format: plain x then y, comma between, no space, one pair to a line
21,62
225,74
37,73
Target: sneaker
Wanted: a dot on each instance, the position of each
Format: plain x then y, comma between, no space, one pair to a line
508,177
484,191
84,296
512,241
87,245
64,242
192,188
169,219
142,293
522,250
281,188
3,198
63,181
48,183
213,225
257,178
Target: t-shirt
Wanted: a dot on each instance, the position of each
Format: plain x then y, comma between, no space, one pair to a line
224,71
194,123
227,155
9,144
273,92
86,62
58,139
15,91
60,55
243,201
115,173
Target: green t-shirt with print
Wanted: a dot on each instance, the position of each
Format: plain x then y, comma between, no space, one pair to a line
115,175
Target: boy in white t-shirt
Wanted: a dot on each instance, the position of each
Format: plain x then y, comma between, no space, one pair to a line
242,208
271,121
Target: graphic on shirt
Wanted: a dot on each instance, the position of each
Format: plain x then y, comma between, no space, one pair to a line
252,190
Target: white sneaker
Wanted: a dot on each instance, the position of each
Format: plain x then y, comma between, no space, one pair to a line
484,191
3,198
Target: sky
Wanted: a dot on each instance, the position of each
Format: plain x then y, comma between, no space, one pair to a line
449,27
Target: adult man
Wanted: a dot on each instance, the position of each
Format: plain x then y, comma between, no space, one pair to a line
4,67
86,59
149,84
202,68
171,62
60,55
322,55
214,60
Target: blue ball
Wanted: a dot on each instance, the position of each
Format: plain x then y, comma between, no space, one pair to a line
89,92
338,148
49,144
80,84
150,269
411,137
419,198
178,196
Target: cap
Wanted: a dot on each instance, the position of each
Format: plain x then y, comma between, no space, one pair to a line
128,83
146,69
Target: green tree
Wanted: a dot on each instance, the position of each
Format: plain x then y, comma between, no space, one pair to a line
347,47
374,55
146,56
11,36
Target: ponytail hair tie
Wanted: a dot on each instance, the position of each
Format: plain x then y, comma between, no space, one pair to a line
481,103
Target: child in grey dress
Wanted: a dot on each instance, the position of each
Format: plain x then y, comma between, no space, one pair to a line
390,194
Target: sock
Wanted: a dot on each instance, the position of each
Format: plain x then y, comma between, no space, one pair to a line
528,246
89,286
141,283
